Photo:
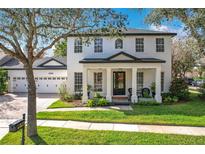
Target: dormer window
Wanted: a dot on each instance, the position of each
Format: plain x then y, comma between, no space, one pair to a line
118,44
98,42
78,47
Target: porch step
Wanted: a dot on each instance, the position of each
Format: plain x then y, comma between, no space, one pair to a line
120,100
119,97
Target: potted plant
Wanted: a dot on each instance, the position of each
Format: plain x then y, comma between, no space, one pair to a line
152,87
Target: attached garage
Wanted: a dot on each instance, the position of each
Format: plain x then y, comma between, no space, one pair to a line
50,74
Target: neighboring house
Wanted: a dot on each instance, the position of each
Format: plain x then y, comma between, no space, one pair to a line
113,65
110,65
49,72
195,71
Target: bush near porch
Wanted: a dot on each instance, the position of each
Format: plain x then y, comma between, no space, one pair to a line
62,136
190,113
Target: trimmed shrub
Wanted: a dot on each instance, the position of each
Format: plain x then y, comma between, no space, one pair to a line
97,95
97,102
168,98
102,102
91,103
179,88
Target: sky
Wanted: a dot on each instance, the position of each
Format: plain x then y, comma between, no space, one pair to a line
136,19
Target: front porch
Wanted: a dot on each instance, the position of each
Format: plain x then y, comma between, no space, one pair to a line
117,79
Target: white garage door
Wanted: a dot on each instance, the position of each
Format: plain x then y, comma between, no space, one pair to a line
49,84
43,84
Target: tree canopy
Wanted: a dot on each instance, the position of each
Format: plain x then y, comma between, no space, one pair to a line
193,20
27,34
185,54
61,48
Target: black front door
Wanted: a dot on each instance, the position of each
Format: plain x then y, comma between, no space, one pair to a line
118,83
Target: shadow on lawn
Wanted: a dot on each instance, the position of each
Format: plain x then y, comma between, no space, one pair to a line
38,140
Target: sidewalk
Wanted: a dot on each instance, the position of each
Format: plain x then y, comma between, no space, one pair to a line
183,130
116,107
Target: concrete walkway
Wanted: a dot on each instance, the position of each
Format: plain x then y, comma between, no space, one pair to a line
116,107
183,130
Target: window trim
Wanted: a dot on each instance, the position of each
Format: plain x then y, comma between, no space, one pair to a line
140,85
162,81
98,47
98,83
78,46
140,44
118,43
160,46
78,81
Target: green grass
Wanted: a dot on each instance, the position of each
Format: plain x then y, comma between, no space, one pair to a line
63,136
191,113
61,104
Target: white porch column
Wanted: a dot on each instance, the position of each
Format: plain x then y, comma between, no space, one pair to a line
134,85
108,95
85,93
158,97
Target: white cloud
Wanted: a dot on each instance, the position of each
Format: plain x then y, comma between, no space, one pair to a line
159,28
181,33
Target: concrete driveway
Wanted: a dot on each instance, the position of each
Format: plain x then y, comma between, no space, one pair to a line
12,106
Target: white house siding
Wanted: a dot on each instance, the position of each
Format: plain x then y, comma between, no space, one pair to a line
43,86
73,59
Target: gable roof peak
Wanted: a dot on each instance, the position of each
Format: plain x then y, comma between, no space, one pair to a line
123,53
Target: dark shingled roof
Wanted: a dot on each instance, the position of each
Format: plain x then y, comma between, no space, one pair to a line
130,31
132,60
14,64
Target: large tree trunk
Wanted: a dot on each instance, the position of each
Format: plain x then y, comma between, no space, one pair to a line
31,115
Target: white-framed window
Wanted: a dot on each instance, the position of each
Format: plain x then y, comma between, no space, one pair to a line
160,44
140,80
118,44
78,46
139,44
78,81
98,81
162,81
98,45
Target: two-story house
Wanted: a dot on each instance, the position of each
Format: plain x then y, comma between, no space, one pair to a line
112,65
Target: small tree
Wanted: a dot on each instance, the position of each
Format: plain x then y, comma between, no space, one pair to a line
61,48
185,53
3,81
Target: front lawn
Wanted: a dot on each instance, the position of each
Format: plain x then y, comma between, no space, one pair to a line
65,136
61,104
191,113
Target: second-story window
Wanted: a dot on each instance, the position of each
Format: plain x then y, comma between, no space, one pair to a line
78,47
118,44
139,44
98,42
160,44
